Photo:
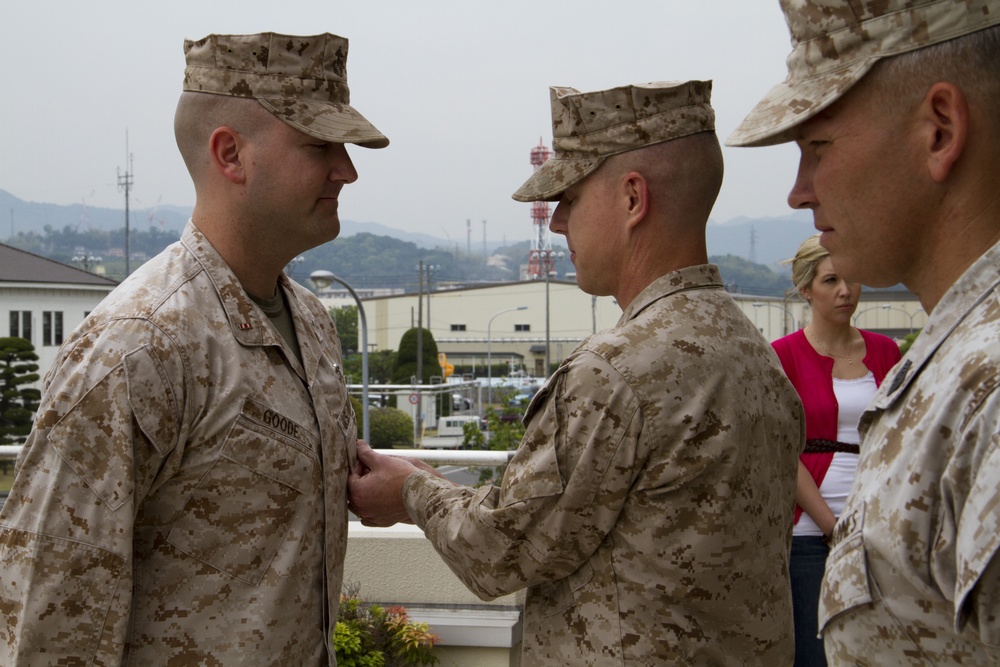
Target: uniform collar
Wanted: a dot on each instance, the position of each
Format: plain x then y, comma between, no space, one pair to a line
246,319
691,277
975,285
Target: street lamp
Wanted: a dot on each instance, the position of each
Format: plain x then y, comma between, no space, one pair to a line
420,321
548,262
887,307
322,279
431,270
758,304
858,315
88,262
489,353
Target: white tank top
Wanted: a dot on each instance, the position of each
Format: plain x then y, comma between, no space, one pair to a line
853,397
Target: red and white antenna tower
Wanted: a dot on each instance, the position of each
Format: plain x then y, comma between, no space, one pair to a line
540,261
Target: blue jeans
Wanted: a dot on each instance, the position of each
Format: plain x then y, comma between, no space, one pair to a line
805,567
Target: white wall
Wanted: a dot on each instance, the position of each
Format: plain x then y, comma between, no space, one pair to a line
73,301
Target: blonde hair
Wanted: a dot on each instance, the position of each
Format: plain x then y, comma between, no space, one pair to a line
804,264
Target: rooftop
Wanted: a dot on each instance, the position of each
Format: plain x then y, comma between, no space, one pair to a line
21,266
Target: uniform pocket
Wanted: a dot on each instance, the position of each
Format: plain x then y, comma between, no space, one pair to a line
845,583
534,471
556,596
237,517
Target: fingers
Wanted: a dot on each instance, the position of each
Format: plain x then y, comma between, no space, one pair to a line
366,454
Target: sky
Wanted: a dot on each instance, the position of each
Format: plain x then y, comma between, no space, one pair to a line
459,87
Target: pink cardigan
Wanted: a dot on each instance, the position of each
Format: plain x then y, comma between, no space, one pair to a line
812,376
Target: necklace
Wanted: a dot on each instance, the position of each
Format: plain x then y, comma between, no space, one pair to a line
826,349
828,353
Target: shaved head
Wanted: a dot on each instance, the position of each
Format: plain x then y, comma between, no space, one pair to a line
198,115
684,175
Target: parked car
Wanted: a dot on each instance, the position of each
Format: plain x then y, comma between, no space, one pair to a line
522,397
459,402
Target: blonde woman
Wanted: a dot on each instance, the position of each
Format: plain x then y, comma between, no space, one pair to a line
836,369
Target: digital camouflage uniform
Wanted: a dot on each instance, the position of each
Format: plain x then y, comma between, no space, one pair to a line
648,509
182,498
913,578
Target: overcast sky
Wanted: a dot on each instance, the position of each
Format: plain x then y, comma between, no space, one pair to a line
459,87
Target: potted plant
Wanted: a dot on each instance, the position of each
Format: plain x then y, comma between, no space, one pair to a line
369,635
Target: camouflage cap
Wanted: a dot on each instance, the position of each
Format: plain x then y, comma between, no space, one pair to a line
836,42
301,80
589,127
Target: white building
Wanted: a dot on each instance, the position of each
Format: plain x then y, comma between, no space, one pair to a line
515,322
43,300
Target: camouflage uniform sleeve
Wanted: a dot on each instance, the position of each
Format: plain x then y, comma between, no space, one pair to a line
66,548
971,502
560,496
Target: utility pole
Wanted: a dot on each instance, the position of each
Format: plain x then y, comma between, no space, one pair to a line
420,346
125,183
420,322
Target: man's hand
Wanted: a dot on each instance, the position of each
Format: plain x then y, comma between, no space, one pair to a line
375,487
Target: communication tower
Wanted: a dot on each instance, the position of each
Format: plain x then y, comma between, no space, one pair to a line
540,260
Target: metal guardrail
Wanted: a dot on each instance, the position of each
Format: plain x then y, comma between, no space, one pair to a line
456,457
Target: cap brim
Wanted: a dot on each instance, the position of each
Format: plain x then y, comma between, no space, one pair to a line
776,117
554,176
337,123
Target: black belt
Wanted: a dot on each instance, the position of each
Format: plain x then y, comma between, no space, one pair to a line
821,446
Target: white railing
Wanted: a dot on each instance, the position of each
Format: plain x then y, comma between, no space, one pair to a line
453,457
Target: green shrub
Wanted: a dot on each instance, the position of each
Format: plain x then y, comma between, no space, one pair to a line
390,427
369,635
406,357
908,341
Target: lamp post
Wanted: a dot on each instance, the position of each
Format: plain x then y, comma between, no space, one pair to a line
322,279
914,314
887,307
489,352
883,307
431,270
548,257
784,309
88,262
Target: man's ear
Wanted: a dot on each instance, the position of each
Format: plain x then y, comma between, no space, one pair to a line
224,147
635,197
944,118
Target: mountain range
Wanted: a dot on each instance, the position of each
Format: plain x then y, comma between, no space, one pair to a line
765,240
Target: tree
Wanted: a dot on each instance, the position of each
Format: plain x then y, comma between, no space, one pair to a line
381,364
380,367
406,358
504,433
18,403
346,319
742,275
